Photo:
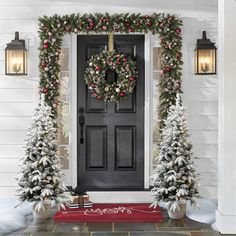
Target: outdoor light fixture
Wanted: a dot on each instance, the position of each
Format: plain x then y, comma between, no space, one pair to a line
205,56
16,57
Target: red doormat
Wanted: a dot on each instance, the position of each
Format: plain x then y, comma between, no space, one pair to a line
111,213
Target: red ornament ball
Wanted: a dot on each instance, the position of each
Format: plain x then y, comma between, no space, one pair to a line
131,78
97,68
118,62
94,95
178,30
45,45
168,68
104,27
125,59
122,94
45,90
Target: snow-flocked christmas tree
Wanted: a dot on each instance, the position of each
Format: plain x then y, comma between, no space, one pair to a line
40,177
175,178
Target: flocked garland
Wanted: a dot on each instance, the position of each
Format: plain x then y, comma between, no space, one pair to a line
99,85
52,29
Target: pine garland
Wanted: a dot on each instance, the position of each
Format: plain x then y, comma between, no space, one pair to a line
52,29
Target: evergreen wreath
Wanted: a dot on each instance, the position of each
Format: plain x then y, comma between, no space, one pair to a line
95,76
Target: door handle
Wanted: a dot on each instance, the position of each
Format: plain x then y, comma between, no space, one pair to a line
81,123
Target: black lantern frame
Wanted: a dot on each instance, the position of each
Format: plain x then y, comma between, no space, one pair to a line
205,56
16,57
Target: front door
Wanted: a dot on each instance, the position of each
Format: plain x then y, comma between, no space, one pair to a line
112,154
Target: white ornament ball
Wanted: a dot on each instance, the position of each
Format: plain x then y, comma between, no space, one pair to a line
49,33
117,90
45,41
59,25
76,30
46,69
65,22
90,63
112,96
106,89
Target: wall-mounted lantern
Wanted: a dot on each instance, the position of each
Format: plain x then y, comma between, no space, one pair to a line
16,57
205,56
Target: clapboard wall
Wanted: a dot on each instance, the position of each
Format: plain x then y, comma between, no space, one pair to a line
201,100
18,95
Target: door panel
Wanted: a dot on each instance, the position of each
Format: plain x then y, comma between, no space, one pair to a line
112,155
125,145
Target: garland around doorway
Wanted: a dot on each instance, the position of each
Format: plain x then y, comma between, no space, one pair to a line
168,27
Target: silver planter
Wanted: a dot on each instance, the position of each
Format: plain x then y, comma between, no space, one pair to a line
42,213
178,213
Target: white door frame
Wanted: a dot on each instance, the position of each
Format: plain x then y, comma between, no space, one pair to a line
147,116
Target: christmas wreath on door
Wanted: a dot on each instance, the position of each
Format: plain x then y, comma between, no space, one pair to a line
95,76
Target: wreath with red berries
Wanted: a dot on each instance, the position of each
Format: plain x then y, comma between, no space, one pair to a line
96,76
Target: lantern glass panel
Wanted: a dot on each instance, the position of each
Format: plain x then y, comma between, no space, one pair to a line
16,62
205,61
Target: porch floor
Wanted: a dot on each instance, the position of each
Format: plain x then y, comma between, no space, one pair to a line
169,227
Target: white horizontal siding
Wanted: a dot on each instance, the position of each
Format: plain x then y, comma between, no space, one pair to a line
8,179
21,25
11,151
204,136
8,191
207,108
16,95
210,179
14,82
200,81
206,150
201,94
12,137
207,165
9,165
209,191
14,123
20,109
203,122
201,100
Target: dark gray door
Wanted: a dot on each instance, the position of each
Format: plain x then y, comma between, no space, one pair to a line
112,154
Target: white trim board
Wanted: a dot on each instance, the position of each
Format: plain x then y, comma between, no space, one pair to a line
147,126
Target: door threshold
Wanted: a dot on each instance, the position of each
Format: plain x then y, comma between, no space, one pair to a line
94,189
121,197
